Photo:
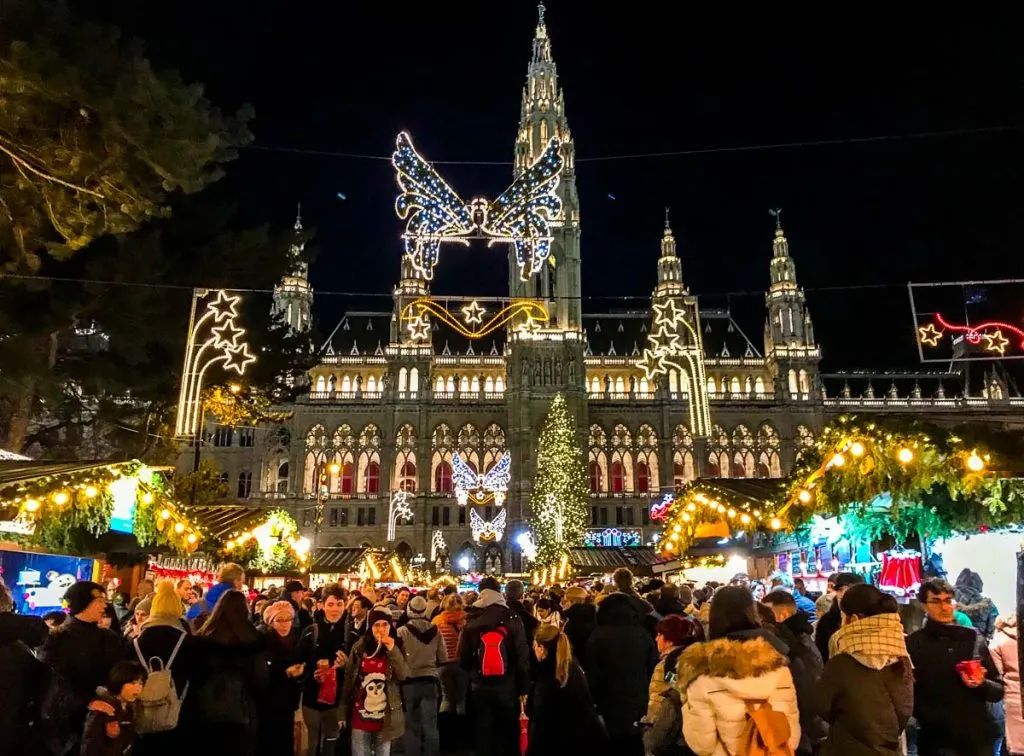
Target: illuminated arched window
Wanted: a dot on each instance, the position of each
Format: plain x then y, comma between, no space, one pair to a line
595,477
643,483
407,477
443,478
414,380
346,479
403,380
759,386
618,477
439,384
371,480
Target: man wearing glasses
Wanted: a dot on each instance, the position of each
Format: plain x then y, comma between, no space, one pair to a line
954,680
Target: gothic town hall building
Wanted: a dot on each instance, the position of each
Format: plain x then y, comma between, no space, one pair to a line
385,413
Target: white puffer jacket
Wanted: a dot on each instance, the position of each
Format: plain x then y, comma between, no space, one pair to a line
718,678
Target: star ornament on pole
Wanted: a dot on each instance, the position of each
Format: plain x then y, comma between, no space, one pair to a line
214,337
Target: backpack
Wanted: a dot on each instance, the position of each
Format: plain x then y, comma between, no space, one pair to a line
159,705
493,651
766,732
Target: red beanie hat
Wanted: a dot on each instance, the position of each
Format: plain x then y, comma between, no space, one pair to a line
678,630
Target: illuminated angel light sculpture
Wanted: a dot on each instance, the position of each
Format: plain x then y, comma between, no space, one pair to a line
487,531
214,338
491,485
399,509
522,215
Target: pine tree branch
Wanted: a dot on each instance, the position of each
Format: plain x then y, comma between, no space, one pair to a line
25,165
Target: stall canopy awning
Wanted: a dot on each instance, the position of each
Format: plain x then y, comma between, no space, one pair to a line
758,492
337,559
588,560
14,471
225,521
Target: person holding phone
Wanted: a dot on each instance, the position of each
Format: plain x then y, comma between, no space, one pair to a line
954,680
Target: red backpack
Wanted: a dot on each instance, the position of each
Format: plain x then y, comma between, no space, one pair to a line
493,651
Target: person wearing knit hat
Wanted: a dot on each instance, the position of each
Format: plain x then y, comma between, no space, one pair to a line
166,602
673,634
417,607
371,702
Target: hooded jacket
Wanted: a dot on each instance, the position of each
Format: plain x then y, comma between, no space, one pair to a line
488,612
717,679
423,647
450,624
108,734
980,609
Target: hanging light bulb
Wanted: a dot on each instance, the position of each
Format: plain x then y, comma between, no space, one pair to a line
191,538
230,545
60,498
147,498
857,449
745,518
90,492
686,517
776,523
905,455
179,527
677,528
838,460
165,514
975,463
804,496
31,505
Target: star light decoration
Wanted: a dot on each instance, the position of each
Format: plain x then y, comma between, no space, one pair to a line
491,485
437,545
659,511
214,338
990,332
668,350
417,313
522,215
487,531
399,509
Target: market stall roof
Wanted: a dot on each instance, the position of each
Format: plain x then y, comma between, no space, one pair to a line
224,521
340,559
756,490
590,559
14,471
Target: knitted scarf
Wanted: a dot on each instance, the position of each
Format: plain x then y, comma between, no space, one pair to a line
875,642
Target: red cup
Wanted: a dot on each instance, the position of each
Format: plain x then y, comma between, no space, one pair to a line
971,669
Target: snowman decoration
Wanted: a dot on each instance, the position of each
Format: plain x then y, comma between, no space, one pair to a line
375,700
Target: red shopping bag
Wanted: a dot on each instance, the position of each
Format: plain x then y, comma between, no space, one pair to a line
524,732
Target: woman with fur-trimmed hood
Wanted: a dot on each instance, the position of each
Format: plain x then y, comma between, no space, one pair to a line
741,663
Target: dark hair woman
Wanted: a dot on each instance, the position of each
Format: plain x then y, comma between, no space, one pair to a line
866,693
562,715
230,681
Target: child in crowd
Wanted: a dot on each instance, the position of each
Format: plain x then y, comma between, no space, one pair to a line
109,730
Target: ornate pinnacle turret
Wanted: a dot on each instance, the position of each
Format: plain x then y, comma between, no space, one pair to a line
670,268
542,114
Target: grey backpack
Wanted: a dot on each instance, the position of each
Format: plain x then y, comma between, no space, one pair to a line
159,705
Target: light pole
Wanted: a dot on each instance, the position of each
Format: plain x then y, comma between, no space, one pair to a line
323,494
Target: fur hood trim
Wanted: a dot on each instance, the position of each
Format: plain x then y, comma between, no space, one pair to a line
733,659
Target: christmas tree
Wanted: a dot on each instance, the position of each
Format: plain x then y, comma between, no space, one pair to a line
560,491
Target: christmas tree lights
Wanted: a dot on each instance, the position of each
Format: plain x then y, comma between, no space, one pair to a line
561,494
522,215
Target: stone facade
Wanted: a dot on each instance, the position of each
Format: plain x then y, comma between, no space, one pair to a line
390,412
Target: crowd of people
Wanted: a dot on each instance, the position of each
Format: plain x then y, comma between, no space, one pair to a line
663,669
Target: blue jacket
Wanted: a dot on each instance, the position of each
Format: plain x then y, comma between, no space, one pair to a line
805,605
207,602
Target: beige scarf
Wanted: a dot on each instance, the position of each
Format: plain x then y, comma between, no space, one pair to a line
875,642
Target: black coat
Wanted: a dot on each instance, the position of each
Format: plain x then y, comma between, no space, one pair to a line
580,621
528,621
866,709
245,663
562,720
82,654
828,624
949,714
806,666
321,640
24,678
622,657
277,713
481,619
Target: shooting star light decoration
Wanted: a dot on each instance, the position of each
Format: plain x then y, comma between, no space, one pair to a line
990,332
399,509
214,338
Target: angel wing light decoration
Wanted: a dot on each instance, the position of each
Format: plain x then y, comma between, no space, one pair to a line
493,483
523,215
487,531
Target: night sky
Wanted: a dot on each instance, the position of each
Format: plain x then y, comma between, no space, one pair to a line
637,80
